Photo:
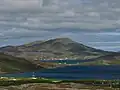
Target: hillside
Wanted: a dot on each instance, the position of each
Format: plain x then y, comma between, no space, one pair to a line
10,64
54,48
111,59
61,48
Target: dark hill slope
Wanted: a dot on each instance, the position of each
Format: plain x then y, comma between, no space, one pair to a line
10,64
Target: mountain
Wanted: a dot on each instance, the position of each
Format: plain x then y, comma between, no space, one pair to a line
53,48
10,64
110,59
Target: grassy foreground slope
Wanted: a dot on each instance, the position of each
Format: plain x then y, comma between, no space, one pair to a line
10,64
43,84
53,84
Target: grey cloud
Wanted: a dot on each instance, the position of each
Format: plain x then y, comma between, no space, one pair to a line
50,14
36,19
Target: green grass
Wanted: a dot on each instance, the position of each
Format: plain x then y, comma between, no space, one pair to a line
18,81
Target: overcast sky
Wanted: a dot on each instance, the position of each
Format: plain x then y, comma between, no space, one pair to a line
94,23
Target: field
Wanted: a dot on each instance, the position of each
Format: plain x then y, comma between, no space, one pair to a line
52,83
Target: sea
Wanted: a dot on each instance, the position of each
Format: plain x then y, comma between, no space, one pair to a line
109,72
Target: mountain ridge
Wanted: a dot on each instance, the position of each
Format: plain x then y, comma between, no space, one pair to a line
56,48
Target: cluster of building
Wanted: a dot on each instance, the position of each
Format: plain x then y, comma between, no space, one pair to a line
57,58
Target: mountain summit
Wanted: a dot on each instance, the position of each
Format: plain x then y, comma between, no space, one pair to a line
53,48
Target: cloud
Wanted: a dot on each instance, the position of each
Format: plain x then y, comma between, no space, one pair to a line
51,14
108,47
18,4
105,33
113,42
82,20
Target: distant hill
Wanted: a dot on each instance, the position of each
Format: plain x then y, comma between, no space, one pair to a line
61,48
111,59
10,64
56,48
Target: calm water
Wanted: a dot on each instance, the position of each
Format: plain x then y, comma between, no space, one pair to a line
76,73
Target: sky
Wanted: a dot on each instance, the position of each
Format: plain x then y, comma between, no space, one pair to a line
95,23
